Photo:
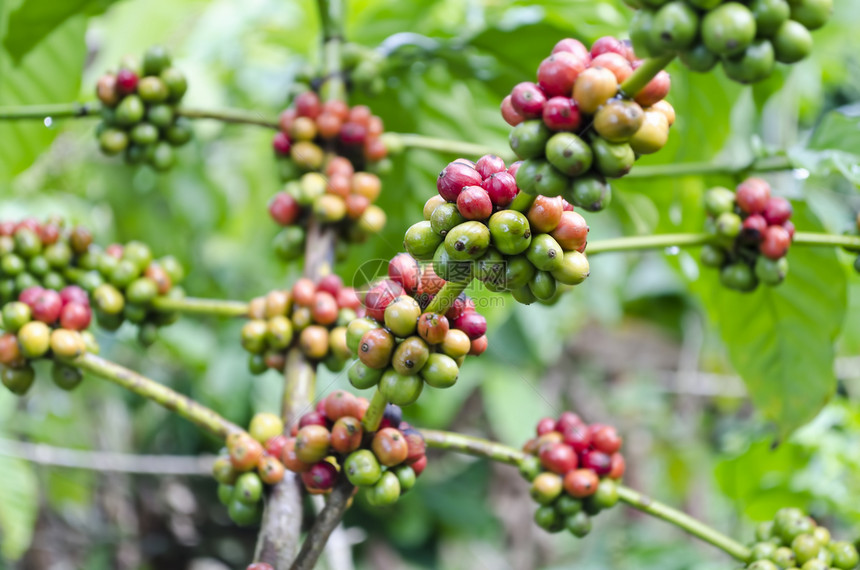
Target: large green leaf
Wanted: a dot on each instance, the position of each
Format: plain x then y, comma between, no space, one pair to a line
780,339
49,73
34,20
19,505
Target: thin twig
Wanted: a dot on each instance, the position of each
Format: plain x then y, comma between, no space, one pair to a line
86,459
324,525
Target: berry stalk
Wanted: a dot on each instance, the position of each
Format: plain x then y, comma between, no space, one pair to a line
374,413
505,454
332,16
77,110
472,446
325,522
645,73
447,146
158,393
634,243
197,306
697,528
676,170
445,298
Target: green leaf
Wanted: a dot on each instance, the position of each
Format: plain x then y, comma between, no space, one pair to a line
780,339
34,20
49,73
19,505
838,130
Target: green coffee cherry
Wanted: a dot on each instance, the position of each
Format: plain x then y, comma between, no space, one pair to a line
569,154
529,138
440,371
362,468
545,253
510,232
399,389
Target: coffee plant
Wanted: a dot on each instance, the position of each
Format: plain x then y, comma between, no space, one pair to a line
600,127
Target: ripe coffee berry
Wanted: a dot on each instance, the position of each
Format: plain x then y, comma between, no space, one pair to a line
753,234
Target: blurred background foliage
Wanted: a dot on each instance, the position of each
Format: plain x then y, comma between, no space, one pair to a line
650,342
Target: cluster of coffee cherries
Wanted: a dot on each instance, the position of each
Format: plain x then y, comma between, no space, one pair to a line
574,128
331,440
747,37
342,197
573,468
121,280
34,253
310,128
139,115
481,226
44,323
250,460
312,316
124,280
753,233
400,347
793,540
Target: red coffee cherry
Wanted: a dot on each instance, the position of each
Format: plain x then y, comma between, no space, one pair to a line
571,232
314,418
340,403
47,306
462,304
433,327
489,164
126,81
655,91
331,284
606,439
573,46
454,178
617,466
599,462
282,144
404,270
320,477
473,324
324,309
260,566
270,470
562,114
608,44
777,211
312,443
545,214
568,420
501,187
75,316
346,434
615,63
775,243
509,114
474,203
415,444
752,195
479,346
528,99
245,452
581,483
275,445
347,298
307,104
290,460
284,209
558,458
304,291
557,73
577,437
545,425
390,447
380,296
29,295
754,227
419,465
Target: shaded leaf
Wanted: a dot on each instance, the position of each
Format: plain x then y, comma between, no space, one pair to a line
19,505
49,73
33,21
780,339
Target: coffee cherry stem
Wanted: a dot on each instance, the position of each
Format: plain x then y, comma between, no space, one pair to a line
445,298
332,15
447,146
326,521
198,306
637,81
691,240
499,452
697,528
373,416
679,169
76,110
162,395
